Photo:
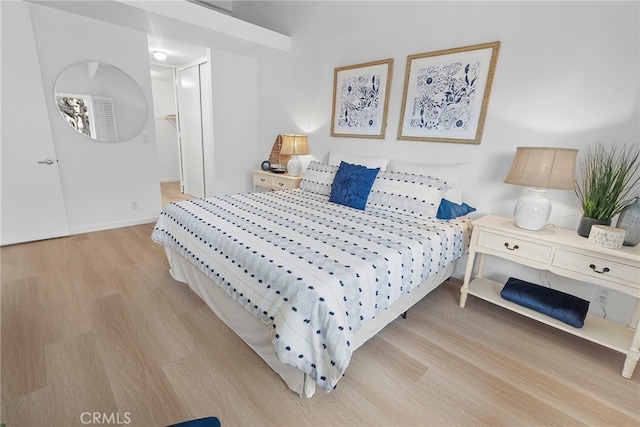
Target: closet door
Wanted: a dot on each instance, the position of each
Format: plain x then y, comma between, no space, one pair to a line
191,137
32,203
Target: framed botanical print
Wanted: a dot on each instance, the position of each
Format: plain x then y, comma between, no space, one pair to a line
446,94
361,99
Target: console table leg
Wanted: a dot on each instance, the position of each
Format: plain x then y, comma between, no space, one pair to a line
633,354
629,365
635,317
467,277
463,296
480,265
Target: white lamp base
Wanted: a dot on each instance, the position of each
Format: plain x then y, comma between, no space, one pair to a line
294,166
532,210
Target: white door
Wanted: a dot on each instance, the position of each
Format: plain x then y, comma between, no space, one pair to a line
31,198
191,142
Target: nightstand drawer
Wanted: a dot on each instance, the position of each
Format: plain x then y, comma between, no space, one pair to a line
274,181
598,268
283,183
510,246
262,179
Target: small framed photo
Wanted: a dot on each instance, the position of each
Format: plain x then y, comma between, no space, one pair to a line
446,94
360,99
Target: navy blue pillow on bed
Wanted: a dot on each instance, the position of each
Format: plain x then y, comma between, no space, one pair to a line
352,184
559,305
450,210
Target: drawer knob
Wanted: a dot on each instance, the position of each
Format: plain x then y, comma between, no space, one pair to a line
506,245
281,184
604,270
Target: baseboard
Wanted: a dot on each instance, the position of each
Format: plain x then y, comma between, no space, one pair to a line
112,225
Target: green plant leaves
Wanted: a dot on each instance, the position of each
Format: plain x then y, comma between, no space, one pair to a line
610,178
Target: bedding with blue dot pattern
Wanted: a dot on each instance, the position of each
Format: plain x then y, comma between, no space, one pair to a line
313,271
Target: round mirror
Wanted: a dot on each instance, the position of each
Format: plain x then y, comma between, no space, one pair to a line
101,102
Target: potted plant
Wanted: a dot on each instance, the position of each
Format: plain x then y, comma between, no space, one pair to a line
608,184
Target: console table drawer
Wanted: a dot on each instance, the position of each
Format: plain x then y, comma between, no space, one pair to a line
510,246
597,268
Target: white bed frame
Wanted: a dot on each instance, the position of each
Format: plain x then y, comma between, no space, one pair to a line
256,335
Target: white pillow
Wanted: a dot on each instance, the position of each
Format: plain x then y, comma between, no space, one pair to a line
318,178
335,157
405,193
454,174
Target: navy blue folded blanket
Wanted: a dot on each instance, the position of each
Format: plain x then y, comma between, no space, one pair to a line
559,305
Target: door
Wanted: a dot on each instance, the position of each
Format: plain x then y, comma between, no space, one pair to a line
32,200
191,133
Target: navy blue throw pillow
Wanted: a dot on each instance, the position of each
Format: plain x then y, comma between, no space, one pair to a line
450,210
352,184
559,305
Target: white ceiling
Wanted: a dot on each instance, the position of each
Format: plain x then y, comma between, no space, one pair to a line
179,52
182,29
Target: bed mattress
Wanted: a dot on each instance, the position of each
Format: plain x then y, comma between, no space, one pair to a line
312,272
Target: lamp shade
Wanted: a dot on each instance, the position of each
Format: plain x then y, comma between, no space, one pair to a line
294,144
540,168
544,167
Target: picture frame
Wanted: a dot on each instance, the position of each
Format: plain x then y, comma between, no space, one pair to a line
446,94
361,99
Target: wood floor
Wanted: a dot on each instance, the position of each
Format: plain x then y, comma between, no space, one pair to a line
171,192
94,323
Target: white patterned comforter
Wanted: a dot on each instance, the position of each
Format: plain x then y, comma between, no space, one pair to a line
311,270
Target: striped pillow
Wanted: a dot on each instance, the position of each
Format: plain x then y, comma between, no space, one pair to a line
318,178
415,195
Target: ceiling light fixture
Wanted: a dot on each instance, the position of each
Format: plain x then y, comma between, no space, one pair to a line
159,55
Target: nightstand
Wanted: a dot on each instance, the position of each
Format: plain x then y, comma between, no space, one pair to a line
566,254
275,181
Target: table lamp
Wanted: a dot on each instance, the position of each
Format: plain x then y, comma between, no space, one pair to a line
540,168
294,145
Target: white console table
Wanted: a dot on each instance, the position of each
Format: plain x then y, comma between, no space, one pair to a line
564,253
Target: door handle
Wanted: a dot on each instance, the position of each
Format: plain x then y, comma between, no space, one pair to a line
46,162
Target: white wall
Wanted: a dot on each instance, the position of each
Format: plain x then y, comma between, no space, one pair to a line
100,181
567,76
235,121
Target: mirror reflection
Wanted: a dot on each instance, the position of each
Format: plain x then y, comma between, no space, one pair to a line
101,102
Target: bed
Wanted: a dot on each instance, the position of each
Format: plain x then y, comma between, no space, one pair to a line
312,278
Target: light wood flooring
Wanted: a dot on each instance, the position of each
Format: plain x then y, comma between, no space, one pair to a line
171,192
94,323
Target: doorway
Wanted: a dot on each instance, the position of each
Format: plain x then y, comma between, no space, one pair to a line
178,161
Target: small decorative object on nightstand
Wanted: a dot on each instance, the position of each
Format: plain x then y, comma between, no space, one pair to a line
566,254
540,168
274,181
294,145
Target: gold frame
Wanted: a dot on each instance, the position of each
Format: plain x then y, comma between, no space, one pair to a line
483,80
380,117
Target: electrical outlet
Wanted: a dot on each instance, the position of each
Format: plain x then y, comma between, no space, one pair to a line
134,206
602,295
